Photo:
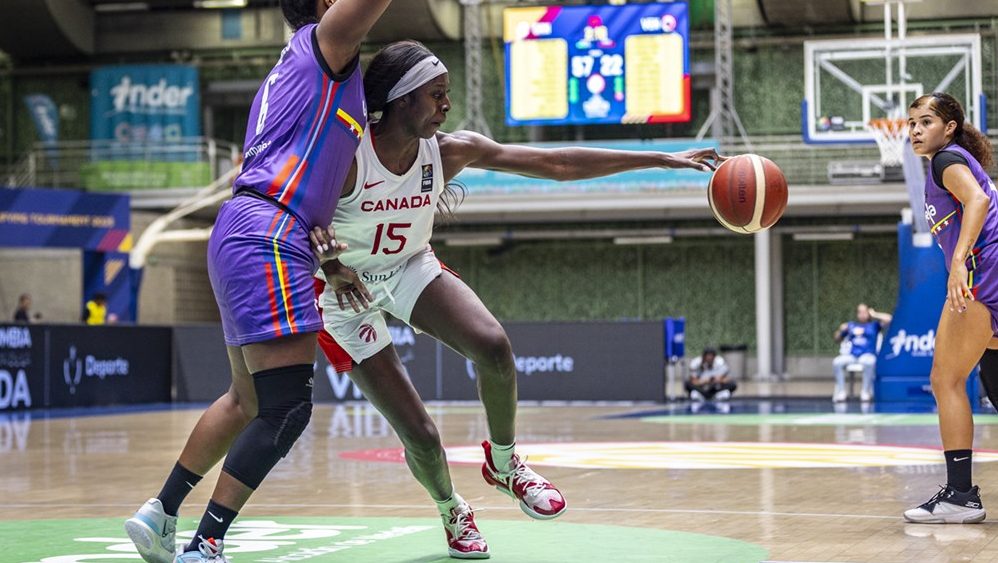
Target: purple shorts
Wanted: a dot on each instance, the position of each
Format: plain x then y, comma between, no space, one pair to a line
261,266
983,282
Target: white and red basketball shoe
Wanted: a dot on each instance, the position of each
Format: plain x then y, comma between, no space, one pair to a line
464,541
538,497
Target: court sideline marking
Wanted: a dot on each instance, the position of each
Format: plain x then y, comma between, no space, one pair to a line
491,508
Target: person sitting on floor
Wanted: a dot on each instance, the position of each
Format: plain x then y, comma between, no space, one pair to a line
709,378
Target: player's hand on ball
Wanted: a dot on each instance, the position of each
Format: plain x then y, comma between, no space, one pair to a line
324,244
704,160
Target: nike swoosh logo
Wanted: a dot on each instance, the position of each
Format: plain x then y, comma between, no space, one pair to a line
217,519
370,185
960,458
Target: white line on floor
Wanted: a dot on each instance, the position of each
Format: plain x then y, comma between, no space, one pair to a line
258,505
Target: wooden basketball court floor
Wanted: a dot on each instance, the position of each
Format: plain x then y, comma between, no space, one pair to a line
750,481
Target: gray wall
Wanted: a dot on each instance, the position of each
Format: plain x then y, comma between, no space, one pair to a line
53,277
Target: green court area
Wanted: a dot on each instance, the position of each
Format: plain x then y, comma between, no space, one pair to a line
363,540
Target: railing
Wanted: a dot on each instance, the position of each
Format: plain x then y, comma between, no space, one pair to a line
72,164
111,165
804,164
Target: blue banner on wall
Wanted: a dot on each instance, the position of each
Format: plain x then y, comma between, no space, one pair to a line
905,358
145,103
646,180
64,218
46,117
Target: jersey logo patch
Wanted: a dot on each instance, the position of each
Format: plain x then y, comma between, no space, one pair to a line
369,185
427,183
367,333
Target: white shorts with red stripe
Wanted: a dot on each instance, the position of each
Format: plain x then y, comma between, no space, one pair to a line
352,336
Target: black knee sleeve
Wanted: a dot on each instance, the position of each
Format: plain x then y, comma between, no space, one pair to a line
989,375
284,407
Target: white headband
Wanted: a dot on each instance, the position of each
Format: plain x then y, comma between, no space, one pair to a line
423,72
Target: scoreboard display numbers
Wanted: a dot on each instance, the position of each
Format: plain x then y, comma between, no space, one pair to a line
597,64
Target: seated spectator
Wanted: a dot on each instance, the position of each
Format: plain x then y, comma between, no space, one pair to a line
709,378
95,310
859,346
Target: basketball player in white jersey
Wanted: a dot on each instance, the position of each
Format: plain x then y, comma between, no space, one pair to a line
385,219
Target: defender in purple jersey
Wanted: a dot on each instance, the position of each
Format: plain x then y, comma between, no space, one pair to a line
961,206
305,124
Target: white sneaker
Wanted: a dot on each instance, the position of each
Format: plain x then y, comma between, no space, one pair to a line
697,397
866,395
722,395
209,551
538,498
839,396
154,532
949,506
464,541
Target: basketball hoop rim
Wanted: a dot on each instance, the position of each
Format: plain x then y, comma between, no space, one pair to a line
888,127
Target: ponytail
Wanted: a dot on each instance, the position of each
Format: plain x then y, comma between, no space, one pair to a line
976,143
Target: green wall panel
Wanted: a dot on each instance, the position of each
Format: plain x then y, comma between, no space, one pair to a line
710,282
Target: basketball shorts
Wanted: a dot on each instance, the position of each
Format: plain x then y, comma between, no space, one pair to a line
362,335
261,269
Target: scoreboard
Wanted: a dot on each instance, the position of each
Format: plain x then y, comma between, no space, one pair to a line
597,64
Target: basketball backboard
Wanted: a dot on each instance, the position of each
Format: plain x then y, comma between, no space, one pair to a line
848,82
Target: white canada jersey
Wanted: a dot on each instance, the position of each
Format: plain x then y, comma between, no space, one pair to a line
388,218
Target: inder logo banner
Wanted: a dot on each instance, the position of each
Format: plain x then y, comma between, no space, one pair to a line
145,103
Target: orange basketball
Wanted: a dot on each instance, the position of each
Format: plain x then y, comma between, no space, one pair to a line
747,193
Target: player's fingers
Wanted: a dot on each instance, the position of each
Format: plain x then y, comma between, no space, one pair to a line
361,298
954,301
316,245
339,300
370,297
962,295
353,302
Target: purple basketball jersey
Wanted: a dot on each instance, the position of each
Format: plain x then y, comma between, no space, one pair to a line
303,131
945,215
944,212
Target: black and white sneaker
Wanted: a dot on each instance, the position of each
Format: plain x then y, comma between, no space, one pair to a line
949,506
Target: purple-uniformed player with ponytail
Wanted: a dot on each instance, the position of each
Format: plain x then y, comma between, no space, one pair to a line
304,128
961,206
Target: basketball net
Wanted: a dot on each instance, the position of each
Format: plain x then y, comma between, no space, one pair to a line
890,133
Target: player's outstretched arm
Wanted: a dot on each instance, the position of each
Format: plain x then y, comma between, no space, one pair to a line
463,149
344,26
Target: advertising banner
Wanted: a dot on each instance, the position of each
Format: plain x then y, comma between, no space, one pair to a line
598,361
145,103
79,366
22,367
134,175
108,365
64,218
45,115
